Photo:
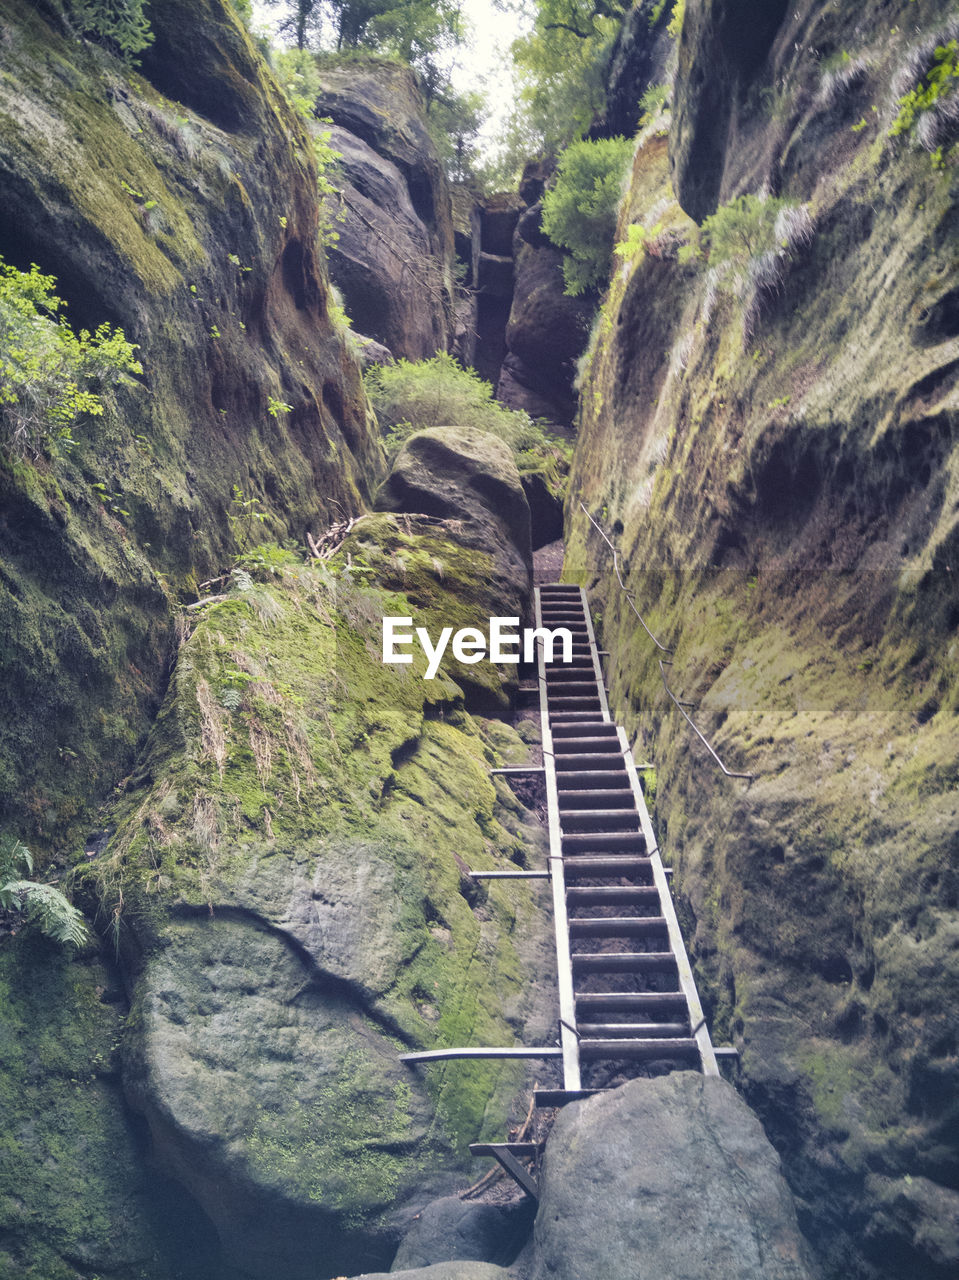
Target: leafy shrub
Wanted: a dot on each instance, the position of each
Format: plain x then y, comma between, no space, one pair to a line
654,100
44,907
412,396
579,211
121,23
748,240
927,97
47,372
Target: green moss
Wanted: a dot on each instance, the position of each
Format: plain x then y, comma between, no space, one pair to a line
72,1192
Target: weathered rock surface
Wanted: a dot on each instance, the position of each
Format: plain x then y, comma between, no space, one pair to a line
666,1179
779,474
546,333
75,1194
393,255
443,1271
292,859
454,1229
711,115
193,224
458,473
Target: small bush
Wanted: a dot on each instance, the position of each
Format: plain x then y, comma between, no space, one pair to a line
748,240
579,211
49,376
927,94
413,396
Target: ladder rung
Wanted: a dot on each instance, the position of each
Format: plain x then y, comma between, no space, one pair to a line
611,865
617,927
559,1097
666,1002
603,800
624,962
643,1049
608,895
604,842
599,821
522,1150
598,729
634,1030
592,779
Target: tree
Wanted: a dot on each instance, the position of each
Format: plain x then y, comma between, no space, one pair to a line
561,66
579,211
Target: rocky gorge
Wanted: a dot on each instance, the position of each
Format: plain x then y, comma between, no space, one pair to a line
270,831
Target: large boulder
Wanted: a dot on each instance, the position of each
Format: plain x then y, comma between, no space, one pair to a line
459,473
666,1179
392,254
290,877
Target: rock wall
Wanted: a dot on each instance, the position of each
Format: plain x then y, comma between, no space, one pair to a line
776,461
392,249
180,204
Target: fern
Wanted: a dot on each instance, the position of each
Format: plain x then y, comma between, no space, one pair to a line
42,906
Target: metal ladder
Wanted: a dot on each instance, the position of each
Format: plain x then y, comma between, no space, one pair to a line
626,988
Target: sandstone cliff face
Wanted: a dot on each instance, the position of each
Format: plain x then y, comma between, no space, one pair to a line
180,204
393,252
777,464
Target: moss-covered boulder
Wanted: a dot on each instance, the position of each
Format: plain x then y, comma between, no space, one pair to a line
179,203
775,459
289,884
392,255
462,474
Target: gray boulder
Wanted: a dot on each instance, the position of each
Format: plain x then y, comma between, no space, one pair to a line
666,1179
443,1271
463,474
451,1228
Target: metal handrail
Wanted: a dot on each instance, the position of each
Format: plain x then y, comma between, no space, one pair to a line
730,773
626,592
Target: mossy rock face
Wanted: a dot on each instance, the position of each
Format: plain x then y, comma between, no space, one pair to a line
289,876
75,1197
193,225
393,255
778,473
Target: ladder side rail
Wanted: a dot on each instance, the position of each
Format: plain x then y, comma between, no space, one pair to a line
697,1019
568,1036
594,654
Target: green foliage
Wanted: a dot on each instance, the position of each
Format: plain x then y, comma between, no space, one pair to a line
123,24
413,396
579,211
246,517
49,376
935,88
740,231
299,76
561,73
43,907
653,101
637,241
676,19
